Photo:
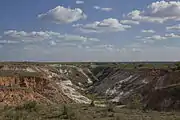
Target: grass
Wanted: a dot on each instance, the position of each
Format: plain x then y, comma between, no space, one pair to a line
34,111
11,73
172,66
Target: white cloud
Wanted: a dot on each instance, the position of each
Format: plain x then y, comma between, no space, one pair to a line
97,7
151,39
69,37
106,25
106,9
79,2
144,40
22,35
158,12
47,35
138,37
61,15
8,42
52,43
136,15
148,31
106,46
102,47
174,27
137,50
133,47
172,35
148,41
129,22
103,9
68,44
156,37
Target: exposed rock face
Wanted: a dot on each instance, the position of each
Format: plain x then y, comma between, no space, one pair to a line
159,88
39,83
14,90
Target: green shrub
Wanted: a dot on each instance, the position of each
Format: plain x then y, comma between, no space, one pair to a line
69,114
65,110
110,107
29,106
135,102
92,104
117,118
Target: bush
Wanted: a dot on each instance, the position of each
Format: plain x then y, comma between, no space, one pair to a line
92,104
110,107
69,114
65,110
135,102
117,118
140,65
30,106
177,67
6,107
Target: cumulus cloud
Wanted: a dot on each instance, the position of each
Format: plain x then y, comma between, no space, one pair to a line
152,39
103,9
174,27
102,47
8,42
129,22
147,31
106,25
137,50
25,36
148,41
133,47
144,40
79,2
172,35
105,46
156,37
52,43
62,15
43,35
158,12
68,44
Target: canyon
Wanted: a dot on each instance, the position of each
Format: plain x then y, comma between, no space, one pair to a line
155,88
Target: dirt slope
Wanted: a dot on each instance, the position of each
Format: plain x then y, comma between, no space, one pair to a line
43,84
159,89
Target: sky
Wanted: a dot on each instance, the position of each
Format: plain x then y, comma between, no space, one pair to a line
89,30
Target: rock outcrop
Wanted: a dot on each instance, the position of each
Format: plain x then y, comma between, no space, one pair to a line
159,88
43,84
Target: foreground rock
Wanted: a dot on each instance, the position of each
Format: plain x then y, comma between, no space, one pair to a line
43,84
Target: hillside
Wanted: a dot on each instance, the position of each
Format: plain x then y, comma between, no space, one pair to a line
154,88
43,84
157,88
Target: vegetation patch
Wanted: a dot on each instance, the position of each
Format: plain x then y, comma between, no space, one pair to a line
35,111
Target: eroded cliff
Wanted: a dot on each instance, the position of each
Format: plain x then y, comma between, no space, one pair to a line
158,88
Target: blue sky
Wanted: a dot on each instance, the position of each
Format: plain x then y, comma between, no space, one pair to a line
89,30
